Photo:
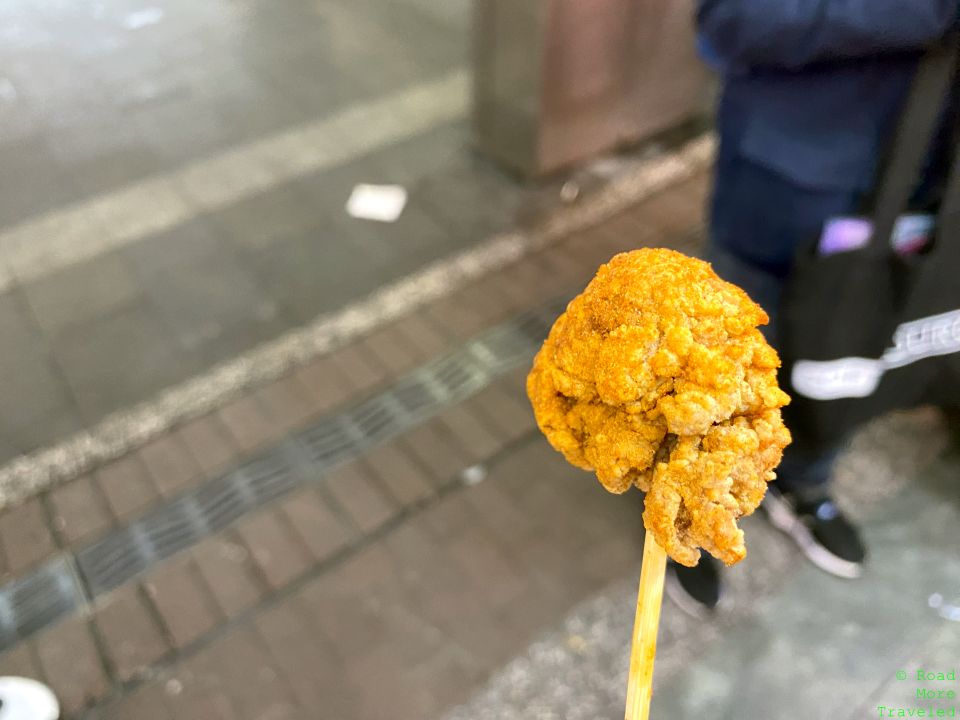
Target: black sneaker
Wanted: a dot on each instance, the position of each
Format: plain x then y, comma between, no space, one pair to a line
826,537
697,590
951,414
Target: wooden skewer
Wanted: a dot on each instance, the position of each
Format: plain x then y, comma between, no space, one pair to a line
644,649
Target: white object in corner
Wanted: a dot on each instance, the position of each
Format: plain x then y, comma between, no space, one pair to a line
26,699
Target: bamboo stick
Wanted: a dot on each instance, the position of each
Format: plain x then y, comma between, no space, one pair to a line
644,649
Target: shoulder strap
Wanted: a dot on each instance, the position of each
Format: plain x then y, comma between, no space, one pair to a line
949,219
913,137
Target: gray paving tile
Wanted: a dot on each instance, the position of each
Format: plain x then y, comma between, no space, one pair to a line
146,76
330,188
245,335
94,133
113,168
259,111
296,25
36,55
315,272
19,122
30,384
65,109
400,247
472,198
415,238
18,329
33,392
144,79
447,149
37,406
30,380
180,245
119,359
401,42
8,451
41,183
316,75
421,157
202,297
182,129
939,655
81,293
451,15
313,85
27,433
395,69
454,199
842,638
264,219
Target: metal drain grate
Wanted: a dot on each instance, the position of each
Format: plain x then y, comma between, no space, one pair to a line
37,600
329,442
415,394
121,555
52,591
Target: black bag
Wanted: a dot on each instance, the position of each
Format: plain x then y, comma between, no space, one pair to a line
868,331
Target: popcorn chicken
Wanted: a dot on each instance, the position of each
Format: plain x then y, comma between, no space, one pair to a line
656,376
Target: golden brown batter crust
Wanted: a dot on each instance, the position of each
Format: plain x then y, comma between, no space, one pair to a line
656,376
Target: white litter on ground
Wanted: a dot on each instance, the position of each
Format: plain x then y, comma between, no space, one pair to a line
383,203
143,18
474,475
124,430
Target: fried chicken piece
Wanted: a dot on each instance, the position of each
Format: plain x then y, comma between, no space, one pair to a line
657,376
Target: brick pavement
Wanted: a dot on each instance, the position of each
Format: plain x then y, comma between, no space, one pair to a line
388,587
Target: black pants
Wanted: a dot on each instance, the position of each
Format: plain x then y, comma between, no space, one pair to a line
803,471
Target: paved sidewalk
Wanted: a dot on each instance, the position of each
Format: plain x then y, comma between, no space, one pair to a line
391,580
176,175
796,642
380,532
383,533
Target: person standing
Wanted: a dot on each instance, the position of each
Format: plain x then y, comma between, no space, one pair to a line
812,91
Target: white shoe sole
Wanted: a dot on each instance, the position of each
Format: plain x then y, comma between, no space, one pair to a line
783,518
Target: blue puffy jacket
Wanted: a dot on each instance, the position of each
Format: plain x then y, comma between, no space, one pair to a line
812,89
